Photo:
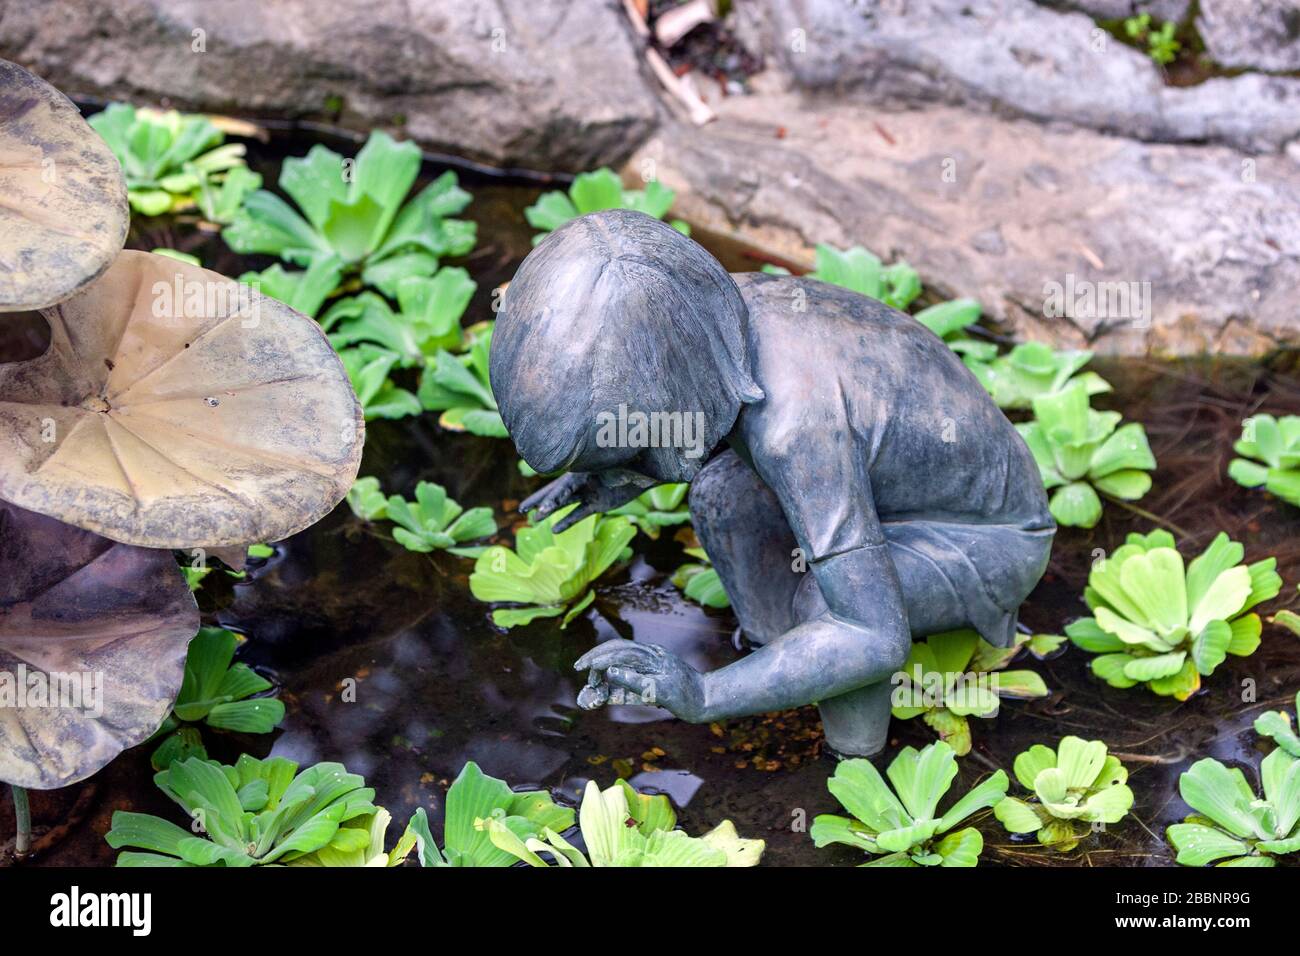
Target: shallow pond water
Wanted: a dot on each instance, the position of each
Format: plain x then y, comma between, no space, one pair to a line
436,684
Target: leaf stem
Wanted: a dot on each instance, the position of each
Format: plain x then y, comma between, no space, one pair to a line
22,820
1143,513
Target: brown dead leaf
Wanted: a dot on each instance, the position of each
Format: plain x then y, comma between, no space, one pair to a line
175,408
74,603
63,212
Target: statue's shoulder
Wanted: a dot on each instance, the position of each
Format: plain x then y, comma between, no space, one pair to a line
781,296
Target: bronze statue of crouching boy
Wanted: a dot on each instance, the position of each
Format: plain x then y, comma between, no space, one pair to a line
853,483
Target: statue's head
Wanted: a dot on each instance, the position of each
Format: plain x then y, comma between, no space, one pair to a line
621,344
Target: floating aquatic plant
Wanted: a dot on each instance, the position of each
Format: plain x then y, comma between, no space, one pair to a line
257,812
304,291
1271,456
621,827
903,826
855,268
1074,787
1231,826
663,506
367,500
427,320
1080,452
594,191
220,198
955,675
1158,623
459,387
368,367
1278,725
436,522
168,156
355,209
550,573
478,805
700,581
217,692
949,320
1031,370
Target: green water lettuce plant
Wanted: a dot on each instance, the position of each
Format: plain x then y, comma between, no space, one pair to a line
663,506
1230,825
1075,787
1081,451
459,387
955,675
217,692
435,522
855,268
306,290
166,156
1270,450
550,574
903,826
700,581
367,499
427,320
1278,725
1158,623
1031,370
254,813
368,367
621,827
949,320
594,191
475,799
354,209
219,198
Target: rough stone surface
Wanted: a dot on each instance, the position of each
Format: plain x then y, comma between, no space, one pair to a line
1012,57
547,83
1160,10
1022,206
1072,156
1259,34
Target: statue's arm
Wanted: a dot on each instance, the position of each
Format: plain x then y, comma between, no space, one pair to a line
862,637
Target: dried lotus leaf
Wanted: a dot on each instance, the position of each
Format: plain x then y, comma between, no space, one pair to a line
176,408
108,622
63,211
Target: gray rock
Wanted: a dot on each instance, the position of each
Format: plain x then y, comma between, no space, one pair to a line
547,83
1160,10
1259,34
1013,57
1204,240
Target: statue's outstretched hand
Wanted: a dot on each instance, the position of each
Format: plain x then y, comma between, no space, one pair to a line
653,675
594,492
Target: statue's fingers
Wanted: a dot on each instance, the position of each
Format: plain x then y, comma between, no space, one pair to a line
595,693
538,499
643,685
616,651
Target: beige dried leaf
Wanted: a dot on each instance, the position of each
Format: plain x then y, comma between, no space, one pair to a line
176,408
109,622
63,211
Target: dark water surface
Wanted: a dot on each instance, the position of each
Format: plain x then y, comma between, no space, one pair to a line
436,684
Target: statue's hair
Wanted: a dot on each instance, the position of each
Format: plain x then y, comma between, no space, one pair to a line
617,308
